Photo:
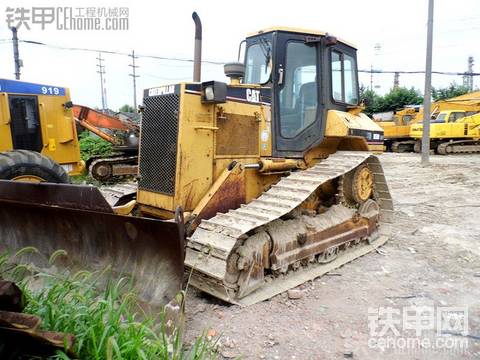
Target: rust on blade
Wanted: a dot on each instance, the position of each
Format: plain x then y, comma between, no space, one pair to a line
61,195
77,219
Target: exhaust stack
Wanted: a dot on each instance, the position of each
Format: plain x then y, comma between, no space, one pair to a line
197,57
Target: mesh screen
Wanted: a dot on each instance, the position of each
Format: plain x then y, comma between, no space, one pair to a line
158,150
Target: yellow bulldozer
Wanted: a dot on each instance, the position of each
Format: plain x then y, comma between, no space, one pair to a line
36,127
271,173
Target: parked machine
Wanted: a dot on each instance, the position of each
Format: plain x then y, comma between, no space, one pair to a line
272,172
123,134
36,121
398,132
451,132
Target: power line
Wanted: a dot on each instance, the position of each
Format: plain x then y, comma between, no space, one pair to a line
219,63
119,53
373,71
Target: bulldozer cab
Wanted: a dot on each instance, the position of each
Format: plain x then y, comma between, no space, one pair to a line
308,73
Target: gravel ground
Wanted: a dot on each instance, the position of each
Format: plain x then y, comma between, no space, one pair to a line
432,260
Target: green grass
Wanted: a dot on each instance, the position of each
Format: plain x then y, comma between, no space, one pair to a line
107,323
93,146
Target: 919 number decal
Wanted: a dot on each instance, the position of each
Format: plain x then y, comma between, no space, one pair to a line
48,90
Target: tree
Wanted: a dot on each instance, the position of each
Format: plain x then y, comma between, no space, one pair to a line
450,91
394,100
397,99
126,108
370,99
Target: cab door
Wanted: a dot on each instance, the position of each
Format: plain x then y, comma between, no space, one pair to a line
298,111
25,123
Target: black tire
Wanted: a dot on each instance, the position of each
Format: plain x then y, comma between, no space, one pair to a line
24,162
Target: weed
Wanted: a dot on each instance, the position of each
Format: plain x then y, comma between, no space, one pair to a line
103,315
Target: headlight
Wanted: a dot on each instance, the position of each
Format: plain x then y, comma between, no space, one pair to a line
209,94
214,92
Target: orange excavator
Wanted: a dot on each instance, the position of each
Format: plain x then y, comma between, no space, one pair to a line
123,134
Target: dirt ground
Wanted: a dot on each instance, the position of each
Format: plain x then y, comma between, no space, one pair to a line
432,259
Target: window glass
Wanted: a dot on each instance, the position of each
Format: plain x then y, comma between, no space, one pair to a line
439,119
456,115
258,63
344,78
337,76
350,77
298,96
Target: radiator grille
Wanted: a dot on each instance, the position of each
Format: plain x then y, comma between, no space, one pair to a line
158,150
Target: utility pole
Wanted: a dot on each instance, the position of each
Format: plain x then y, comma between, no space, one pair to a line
467,76
396,80
134,77
371,77
428,88
470,72
16,57
101,71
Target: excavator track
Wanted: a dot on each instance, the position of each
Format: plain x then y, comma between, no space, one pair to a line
265,247
106,169
403,146
459,147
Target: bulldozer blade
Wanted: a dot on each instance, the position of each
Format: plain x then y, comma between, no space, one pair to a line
78,220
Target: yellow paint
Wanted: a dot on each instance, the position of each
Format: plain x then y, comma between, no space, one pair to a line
399,126
298,31
5,133
406,123
59,134
51,144
201,172
465,128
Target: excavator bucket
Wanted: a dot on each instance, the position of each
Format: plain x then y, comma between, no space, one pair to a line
78,220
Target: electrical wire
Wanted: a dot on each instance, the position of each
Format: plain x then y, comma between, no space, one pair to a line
118,53
177,59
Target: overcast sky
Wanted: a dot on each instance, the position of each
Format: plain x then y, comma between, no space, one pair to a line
166,29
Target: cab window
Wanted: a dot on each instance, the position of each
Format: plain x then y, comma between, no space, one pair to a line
456,115
407,119
258,61
299,95
344,78
439,119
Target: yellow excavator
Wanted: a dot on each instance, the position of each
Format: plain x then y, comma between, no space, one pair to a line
451,132
268,179
397,131
37,133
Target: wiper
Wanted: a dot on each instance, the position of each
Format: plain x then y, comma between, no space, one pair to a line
266,49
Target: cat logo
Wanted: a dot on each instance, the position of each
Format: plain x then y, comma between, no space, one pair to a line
253,95
163,90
